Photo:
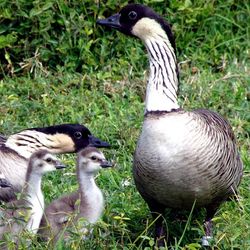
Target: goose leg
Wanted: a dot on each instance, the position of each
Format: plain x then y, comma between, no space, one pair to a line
208,232
157,211
208,226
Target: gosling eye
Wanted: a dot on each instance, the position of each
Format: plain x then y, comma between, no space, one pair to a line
49,160
132,15
78,135
93,158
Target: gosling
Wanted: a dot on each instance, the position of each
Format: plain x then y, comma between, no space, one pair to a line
16,150
26,212
87,202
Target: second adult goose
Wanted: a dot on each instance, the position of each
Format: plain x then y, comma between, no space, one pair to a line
26,212
17,148
85,203
181,157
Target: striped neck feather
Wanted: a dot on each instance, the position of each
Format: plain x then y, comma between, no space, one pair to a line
27,142
163,81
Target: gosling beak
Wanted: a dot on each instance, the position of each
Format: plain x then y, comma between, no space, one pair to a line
106,164
4,183
112,21
59,165
96,142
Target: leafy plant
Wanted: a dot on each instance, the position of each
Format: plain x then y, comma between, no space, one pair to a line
67,39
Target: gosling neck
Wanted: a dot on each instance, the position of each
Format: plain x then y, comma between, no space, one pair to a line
162,87
32,190
86,182
34,199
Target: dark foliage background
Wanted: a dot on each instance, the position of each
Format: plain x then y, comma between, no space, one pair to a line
62,35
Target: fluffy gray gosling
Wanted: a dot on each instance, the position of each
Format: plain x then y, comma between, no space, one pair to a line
87,202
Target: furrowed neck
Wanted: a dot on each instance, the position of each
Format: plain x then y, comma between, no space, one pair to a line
27,142
161,94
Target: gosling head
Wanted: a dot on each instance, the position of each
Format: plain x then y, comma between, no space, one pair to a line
42,162
90,160
68,138
140,21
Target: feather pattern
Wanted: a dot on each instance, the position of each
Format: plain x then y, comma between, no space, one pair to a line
163,81
188,155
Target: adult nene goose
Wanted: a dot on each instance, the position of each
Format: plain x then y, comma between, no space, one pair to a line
17,148
181,157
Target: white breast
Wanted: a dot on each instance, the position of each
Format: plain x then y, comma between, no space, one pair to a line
175,161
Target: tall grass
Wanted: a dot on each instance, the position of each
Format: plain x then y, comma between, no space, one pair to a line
73,71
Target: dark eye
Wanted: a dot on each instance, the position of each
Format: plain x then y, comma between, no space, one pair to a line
132,15
78,135
93,158
48,160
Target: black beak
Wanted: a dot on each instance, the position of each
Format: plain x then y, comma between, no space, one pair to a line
112,21
106,164
4,183
96,142
59,165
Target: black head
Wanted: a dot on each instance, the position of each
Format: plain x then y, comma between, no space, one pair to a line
126,20
80,135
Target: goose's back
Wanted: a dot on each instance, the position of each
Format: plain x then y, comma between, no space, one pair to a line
186,156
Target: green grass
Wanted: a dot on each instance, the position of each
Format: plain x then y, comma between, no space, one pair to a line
114,113
108,98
